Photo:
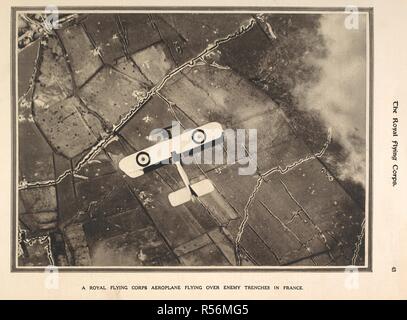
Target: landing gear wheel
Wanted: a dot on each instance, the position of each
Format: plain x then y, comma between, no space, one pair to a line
199,136
143,159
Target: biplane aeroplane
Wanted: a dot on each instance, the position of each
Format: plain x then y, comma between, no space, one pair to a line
136,164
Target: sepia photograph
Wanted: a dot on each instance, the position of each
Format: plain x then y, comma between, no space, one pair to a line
192,139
